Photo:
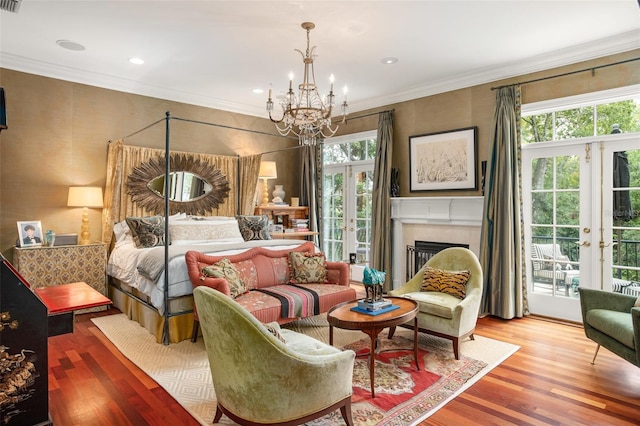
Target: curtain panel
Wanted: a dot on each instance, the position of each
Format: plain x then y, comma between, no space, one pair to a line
311,186
249,169
380,256
501,245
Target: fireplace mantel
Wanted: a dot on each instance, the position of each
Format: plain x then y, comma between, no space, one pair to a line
442,219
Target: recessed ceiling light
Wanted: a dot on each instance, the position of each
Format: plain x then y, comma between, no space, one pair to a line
136,61
388,61
258,91
70,45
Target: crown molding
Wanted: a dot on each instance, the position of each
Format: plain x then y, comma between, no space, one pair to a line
105,81
586,51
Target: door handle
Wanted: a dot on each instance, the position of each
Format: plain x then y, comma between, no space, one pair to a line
584,243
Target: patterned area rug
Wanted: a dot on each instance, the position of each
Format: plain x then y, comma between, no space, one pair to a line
404,396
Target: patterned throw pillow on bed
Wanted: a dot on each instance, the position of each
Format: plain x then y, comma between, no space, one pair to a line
254,227
448,282
147,231
307,268
225,269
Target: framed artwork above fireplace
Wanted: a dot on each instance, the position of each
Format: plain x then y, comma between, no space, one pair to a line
444,161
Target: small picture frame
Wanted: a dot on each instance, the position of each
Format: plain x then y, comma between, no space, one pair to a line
443,161
30,233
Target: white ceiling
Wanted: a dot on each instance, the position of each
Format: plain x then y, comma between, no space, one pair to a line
214,53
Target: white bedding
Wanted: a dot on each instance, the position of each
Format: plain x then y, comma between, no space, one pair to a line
125,257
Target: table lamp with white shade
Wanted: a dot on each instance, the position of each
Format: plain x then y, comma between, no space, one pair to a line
85,197
267,171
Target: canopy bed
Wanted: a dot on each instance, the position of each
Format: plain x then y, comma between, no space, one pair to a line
148,232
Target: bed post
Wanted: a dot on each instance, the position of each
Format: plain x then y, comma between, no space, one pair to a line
167,172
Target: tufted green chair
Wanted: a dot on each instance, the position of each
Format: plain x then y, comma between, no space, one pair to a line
612,321
441,314
260,380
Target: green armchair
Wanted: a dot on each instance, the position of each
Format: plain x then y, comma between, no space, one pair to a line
265,375
612,321
442,314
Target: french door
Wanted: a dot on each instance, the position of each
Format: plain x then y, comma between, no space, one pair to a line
571,237
347,211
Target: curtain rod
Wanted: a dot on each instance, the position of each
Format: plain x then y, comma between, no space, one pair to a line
592,69
370,114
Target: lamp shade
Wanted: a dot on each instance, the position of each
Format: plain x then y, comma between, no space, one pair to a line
85,196
268,170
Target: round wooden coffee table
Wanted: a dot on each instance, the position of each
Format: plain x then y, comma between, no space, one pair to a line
342,316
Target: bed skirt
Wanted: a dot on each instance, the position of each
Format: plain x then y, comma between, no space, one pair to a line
180,326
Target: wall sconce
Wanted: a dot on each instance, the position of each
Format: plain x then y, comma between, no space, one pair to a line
85,197
267,171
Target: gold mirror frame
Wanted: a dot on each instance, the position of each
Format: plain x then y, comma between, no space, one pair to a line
145,197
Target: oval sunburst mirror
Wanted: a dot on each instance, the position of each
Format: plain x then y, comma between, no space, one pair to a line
194,187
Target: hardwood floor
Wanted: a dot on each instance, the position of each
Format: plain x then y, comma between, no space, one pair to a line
549,381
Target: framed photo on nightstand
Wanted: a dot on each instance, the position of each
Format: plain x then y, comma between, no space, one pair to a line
30,233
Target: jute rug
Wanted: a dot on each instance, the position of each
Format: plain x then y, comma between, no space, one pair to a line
404,396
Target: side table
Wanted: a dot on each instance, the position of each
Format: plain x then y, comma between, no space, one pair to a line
342,316
51,266
63,301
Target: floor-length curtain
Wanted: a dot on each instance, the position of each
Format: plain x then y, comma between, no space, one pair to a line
501,237
311,186
380,257
114,181
249,169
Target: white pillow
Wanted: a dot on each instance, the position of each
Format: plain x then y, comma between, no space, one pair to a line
177,216
203,231
120,230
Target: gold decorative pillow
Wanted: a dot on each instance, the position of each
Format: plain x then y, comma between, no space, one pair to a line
448,282
637,304
225,269
307,268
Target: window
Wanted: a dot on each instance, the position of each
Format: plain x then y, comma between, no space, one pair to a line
593,114
347,190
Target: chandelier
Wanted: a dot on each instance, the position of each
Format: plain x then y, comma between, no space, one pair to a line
307,114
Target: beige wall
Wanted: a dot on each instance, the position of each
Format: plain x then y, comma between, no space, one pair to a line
59,131
58,135
474,106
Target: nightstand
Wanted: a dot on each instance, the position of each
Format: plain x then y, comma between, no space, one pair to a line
50,266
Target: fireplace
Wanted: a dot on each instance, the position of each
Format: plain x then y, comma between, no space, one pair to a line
418,254
442,220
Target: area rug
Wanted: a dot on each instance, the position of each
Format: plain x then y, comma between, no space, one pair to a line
404,396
